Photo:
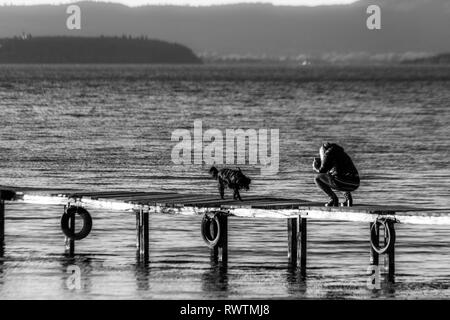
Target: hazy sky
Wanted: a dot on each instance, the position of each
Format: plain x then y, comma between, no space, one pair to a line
184,2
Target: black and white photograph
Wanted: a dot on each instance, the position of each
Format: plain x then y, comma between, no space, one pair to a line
225,150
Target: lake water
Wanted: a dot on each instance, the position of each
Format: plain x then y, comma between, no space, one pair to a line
109,128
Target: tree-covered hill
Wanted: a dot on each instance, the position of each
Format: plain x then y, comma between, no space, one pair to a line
93,50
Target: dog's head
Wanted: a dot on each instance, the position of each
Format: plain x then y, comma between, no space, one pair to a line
214,172
242,180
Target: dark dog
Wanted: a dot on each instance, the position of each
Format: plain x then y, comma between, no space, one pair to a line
233,179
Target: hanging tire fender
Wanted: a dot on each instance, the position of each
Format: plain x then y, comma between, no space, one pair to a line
211,231
390,237
87,223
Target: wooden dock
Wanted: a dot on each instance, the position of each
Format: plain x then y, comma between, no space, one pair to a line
251,206
215,211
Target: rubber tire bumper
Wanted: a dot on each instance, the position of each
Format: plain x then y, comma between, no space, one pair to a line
390,238
87,223
211,232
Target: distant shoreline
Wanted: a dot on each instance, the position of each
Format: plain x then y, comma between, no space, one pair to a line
243,64
436,59
131,50
93,50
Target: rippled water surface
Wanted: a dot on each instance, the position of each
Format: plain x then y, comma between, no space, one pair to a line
109,127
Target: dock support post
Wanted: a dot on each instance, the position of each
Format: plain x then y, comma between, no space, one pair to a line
142,236
2,226
388,250
297,238
292,224
70,243
223,218
215,254
146,235
138,232
303,240
210,227
389,258
374,257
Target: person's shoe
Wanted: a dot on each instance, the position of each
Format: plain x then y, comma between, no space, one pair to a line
334,202
348,200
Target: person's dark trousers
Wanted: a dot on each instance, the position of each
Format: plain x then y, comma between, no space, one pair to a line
327,182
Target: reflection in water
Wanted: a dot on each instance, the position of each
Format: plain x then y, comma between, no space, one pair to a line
388,288
142,274
1,268
295,281
304,286
215,279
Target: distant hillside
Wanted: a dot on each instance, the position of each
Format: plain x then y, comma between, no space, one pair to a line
253,30
437,59
93,50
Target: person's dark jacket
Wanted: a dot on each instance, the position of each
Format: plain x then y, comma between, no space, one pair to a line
337,162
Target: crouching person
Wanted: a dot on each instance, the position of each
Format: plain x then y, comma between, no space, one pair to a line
336,171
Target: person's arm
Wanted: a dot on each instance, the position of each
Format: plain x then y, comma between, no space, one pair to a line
327,163
316,164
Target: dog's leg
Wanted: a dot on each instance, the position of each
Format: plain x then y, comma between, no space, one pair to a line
221,189
237,195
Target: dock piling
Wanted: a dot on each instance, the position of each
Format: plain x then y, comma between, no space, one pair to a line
142,236
70,243
2,226
220,250
215,254
387,249
223,244
146,235
303,240
292,241
297,239
4,195
214,230
138,231
389,258
374,256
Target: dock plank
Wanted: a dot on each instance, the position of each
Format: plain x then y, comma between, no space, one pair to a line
118,197
217,199
365,208
33,190
102,194
160,199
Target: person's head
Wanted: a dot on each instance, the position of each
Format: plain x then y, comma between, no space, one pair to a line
324,148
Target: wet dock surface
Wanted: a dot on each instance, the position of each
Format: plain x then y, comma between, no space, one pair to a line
172,199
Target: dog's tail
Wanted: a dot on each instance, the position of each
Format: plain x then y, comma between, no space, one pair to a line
214,172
